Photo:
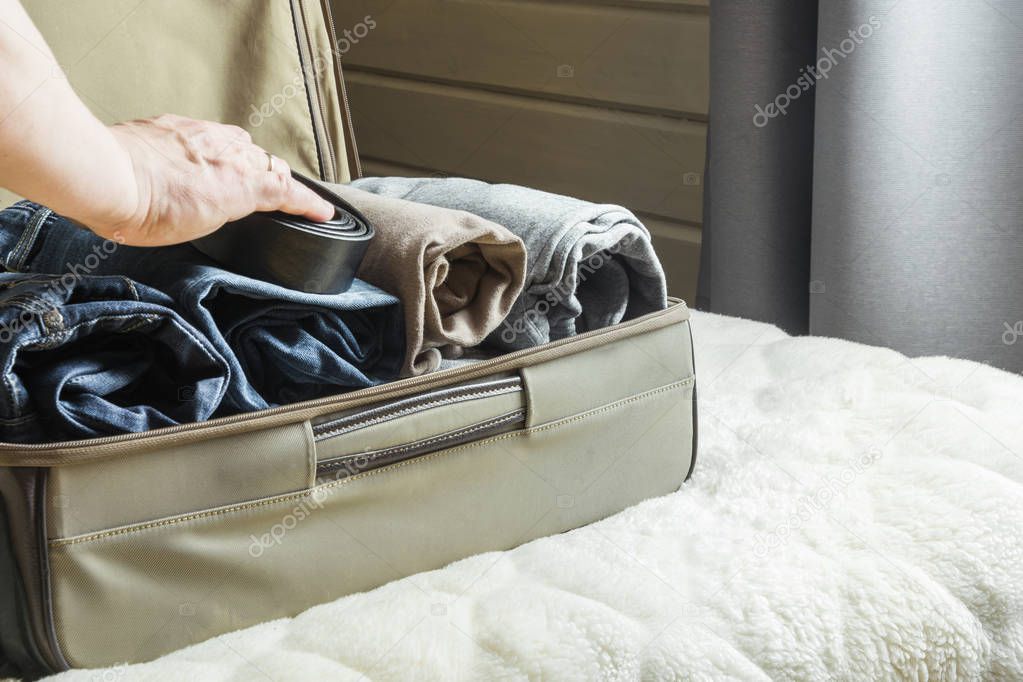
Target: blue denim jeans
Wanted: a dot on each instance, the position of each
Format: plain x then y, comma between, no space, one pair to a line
282,345
97,356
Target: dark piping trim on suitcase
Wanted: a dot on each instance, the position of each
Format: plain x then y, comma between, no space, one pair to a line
418,403
26,631
696,426
46,586
374,459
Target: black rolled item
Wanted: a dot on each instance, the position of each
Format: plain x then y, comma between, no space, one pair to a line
285,249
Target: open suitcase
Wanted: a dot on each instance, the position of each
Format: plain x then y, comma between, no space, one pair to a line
124,548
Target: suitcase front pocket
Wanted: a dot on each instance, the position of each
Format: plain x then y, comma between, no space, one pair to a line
179,580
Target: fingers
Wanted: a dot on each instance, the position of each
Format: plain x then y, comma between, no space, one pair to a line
268,177
278,191
187,177
300,200
261,161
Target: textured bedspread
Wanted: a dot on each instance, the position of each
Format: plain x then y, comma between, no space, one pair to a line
854,515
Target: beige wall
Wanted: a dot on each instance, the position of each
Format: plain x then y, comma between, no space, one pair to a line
604,99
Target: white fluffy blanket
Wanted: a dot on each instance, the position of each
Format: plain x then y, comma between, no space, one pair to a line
854,515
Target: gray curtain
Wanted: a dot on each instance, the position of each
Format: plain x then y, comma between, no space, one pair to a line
865,172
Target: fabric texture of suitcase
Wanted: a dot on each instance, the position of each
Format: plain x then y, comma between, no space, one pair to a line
127,547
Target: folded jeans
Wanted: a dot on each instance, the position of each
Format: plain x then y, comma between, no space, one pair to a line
281,345
97,356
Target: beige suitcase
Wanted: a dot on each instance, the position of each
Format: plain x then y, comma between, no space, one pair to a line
125,548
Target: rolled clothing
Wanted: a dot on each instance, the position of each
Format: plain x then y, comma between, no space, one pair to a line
457,274
97,356
589,265
282,345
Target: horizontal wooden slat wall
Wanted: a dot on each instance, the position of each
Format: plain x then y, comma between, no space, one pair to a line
601,99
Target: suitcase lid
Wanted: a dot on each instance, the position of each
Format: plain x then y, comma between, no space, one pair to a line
269,66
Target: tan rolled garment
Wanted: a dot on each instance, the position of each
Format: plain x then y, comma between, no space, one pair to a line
456,274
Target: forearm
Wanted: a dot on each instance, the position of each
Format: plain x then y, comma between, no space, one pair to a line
52,148
149,182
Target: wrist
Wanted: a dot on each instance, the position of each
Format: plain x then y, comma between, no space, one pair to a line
113,204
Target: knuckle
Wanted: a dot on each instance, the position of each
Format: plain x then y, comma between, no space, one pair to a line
278,184
203,141
241,164
165,121
239,133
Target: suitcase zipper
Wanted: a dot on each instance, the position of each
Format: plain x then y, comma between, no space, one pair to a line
66,452
354,163
317,111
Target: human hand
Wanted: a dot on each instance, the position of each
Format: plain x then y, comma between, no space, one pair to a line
185,178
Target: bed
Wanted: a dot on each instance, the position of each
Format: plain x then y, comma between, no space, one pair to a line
854,515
